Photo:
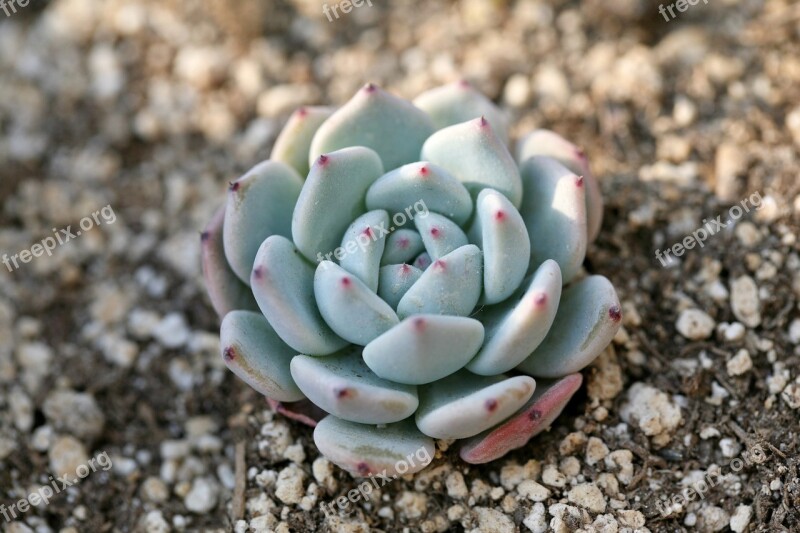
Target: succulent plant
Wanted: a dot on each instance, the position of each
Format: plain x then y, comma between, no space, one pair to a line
417,284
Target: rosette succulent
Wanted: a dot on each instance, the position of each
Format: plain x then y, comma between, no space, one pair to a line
393,275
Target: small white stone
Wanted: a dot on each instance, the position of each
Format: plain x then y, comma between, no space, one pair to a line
172,331
512,475
517,91
734,332
154,490
717,291
154,522
570,467
573,442
741,518
739,364
588,496
718,394
175,449
745,302
496,493
551,476
747,233
536,521
794,331
651,410
596,451
142,324
456,487
695,324
74,412
322,469
714,518
628,518
533,491
493,521
730,447
124,466
289,487
605,523
791,395
683,112
66,455
779,378
622,462
42,438
202,497
295,453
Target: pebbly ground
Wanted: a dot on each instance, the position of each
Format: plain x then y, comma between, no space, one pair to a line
108,348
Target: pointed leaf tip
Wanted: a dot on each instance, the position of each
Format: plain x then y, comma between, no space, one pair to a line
546,404
587,319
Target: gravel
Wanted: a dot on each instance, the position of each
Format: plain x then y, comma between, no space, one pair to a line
151,108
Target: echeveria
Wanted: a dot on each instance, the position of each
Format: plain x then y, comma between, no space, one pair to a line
392,265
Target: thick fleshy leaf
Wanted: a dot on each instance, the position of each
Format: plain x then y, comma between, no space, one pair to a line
588,317
423,261
515,327
440,235
458,102
302,411
391,126
473,153
451,286
424,348
402,246
260,204
255,353
344,386
364,450
283,284
225,290
500,233
294,142
332,197
395,281
363,245
350,308
464,404
421,183
551,144
534,417
554,210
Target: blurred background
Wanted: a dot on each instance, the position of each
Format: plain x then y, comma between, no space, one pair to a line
152,107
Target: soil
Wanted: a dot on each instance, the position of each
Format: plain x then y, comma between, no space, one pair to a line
152,107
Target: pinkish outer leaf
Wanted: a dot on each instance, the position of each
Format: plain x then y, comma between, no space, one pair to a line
225,289
303,411
534,417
